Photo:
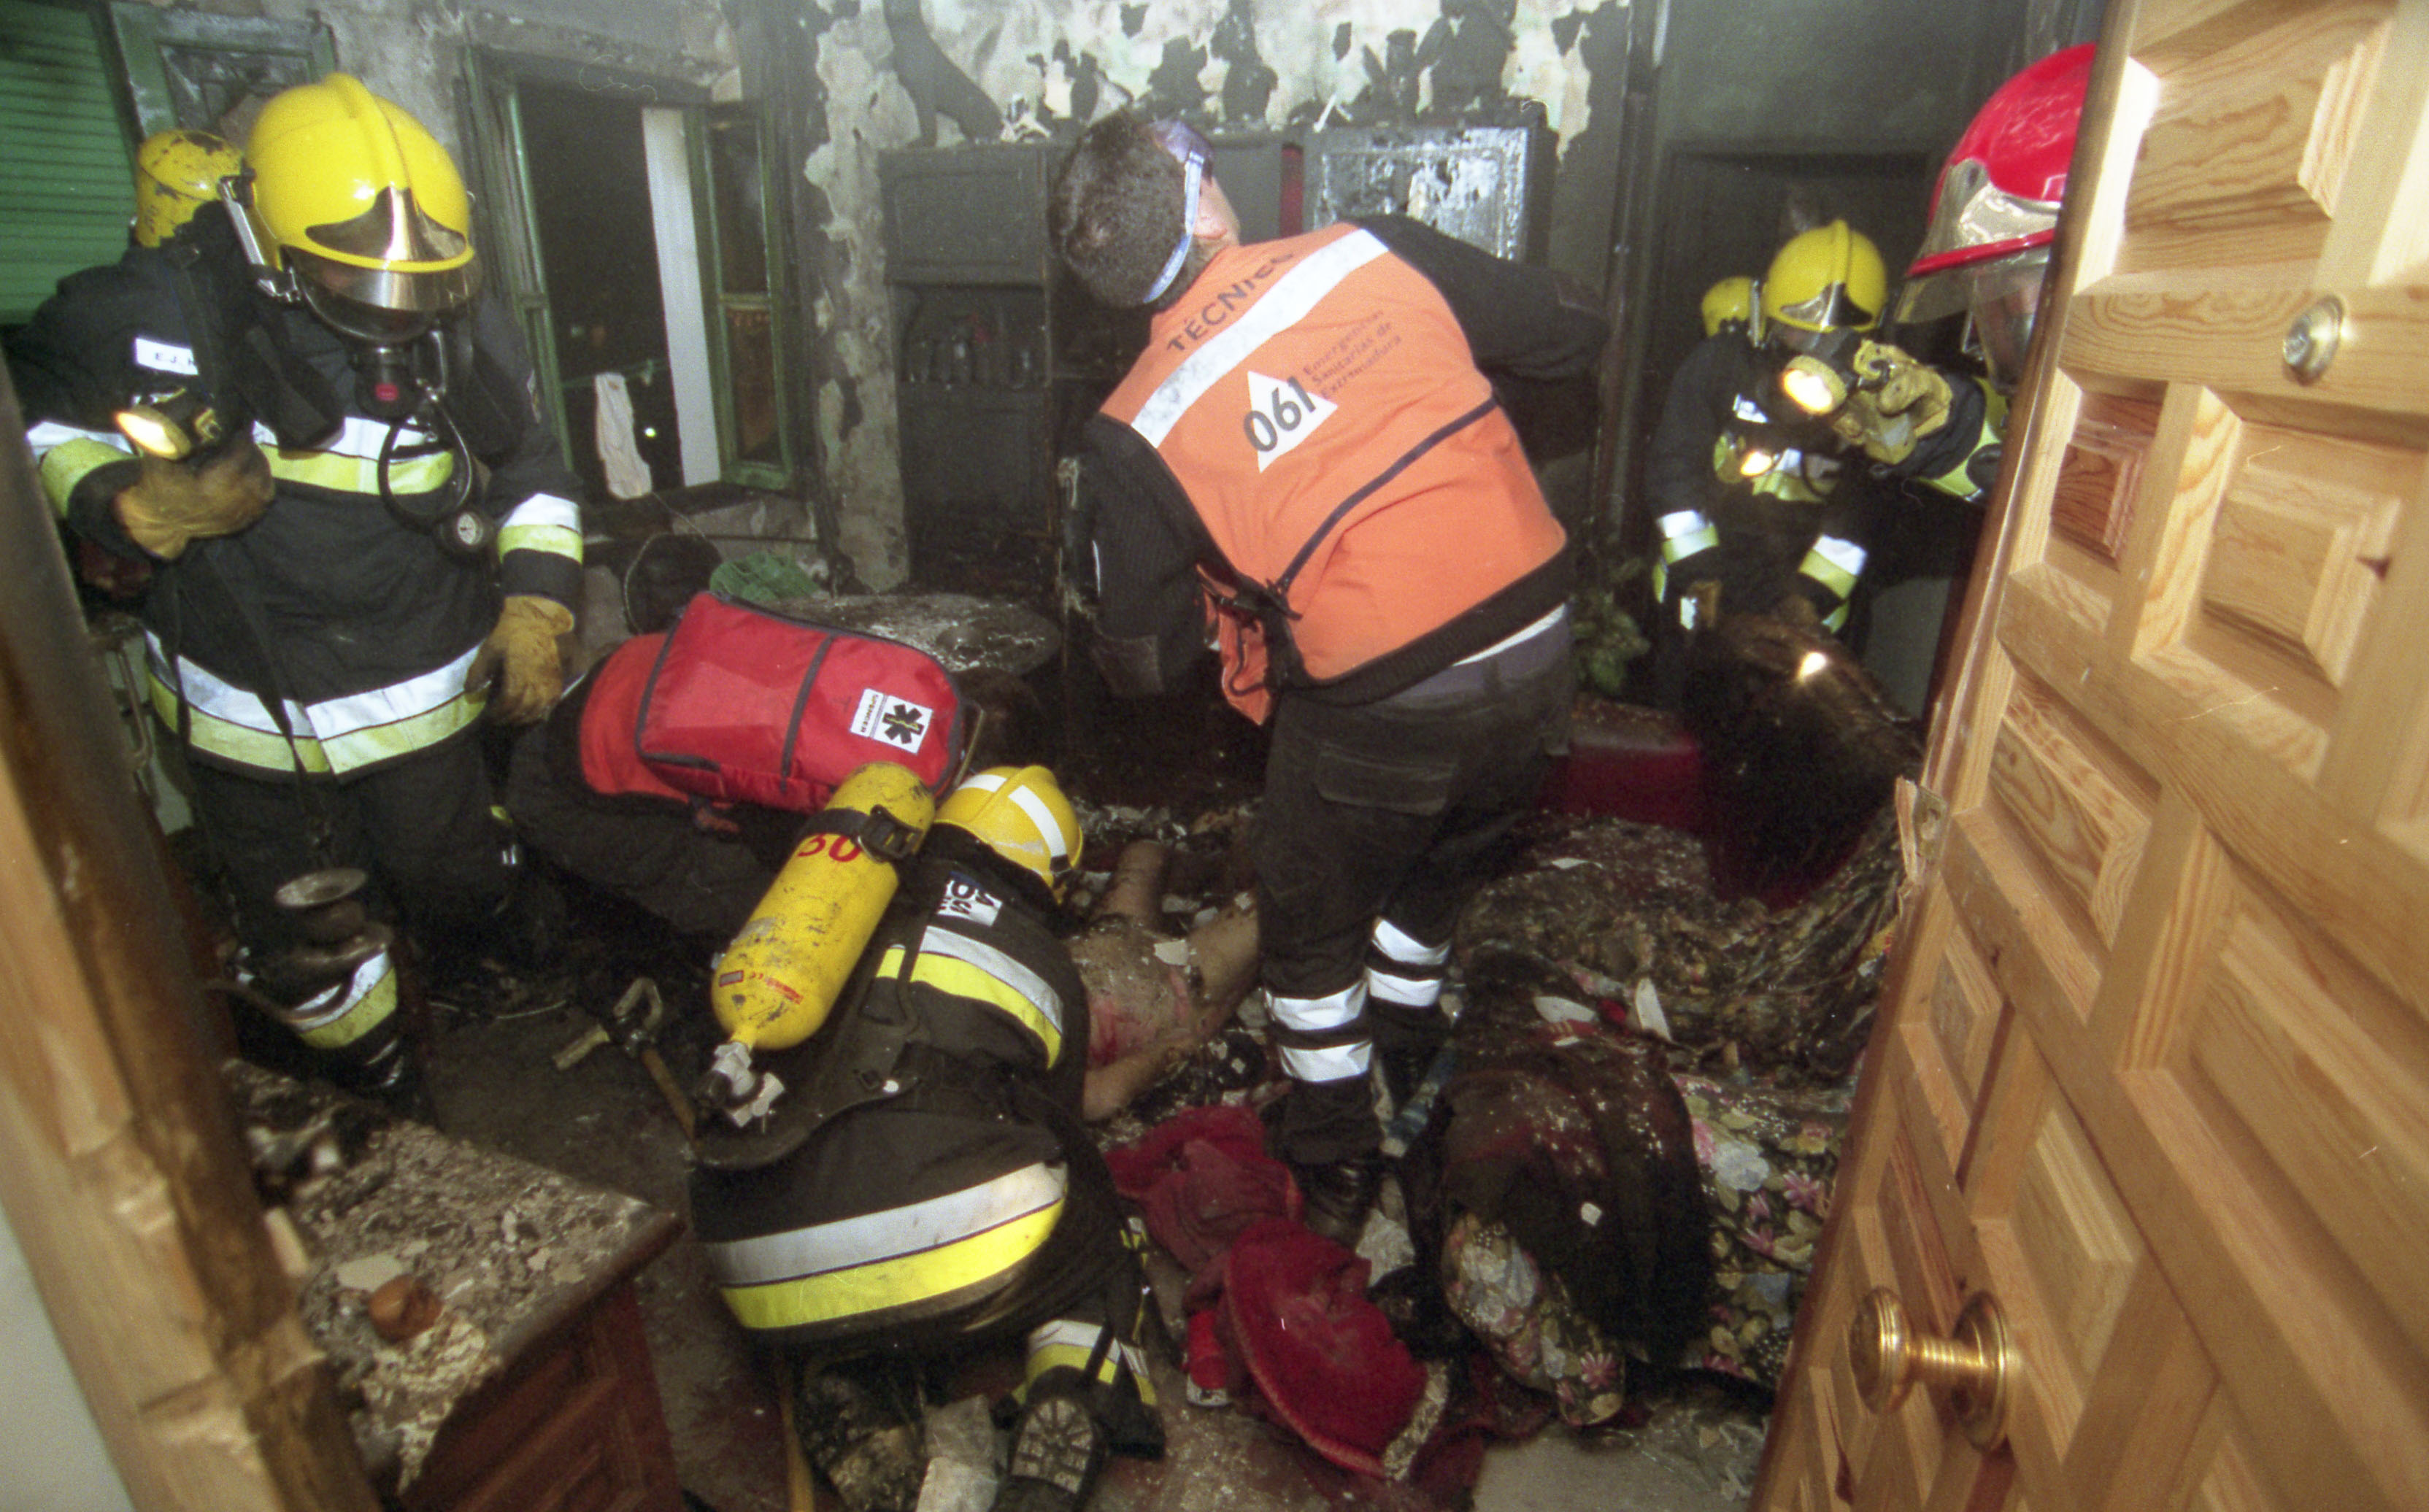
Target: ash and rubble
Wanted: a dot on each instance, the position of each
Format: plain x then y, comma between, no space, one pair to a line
1605,911
504,1245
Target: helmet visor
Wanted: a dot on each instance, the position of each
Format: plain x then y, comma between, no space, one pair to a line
383,305
1999,295
393,229
1974,218
1828,309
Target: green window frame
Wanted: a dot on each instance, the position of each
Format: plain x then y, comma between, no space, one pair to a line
741,288
744,306
66,195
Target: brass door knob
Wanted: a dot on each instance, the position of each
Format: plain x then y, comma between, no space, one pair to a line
1977,1364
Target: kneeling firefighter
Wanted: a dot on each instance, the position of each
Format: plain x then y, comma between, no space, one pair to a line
924,1182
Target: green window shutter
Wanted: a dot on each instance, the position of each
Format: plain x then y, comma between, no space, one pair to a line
65,194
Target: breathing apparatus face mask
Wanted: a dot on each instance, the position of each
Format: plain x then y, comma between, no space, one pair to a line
387,383
400,361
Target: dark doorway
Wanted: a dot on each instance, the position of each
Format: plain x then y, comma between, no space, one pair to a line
591,211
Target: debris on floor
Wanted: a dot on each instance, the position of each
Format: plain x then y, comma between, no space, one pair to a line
1730,1021
430,1263
1620,919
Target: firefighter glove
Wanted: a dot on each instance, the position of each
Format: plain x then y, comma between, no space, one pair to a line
1896,404
520,656
170,503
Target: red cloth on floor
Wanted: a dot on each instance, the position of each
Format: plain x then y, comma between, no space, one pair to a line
1202,1178
1296,1322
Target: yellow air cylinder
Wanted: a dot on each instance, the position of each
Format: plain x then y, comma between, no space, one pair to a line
779,978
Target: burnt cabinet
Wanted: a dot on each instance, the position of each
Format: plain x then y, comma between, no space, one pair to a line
997,362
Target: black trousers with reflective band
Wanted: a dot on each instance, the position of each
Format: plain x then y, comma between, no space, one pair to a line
1390,810
421,825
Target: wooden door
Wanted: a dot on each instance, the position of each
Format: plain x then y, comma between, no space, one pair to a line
2153,1069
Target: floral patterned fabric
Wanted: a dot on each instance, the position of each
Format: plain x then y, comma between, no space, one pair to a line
1526,1319
1768,1156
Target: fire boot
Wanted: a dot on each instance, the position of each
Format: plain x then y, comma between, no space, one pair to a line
1339,1194
1058,1448
860,1427
337,991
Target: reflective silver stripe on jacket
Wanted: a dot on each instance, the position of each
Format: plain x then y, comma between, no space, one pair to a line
986,958
1281,307
882,1235
543,522
43,434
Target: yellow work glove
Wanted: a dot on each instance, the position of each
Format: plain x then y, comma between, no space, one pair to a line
521,654
1896,403
170,503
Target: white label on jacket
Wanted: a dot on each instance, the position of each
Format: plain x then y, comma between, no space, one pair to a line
897,722
161,357
1281,414
966,899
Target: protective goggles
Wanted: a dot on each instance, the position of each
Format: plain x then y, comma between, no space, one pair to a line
1195,155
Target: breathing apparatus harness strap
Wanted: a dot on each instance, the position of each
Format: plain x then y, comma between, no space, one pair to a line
460,529
875,830
203,328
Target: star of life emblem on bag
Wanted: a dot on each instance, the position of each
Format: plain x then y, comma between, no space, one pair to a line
898,722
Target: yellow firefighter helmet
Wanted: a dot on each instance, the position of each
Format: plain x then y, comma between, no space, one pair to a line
1020,814
177,173
1731,301
1830,278
363,208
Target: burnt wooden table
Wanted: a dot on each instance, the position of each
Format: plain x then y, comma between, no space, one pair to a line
532,1390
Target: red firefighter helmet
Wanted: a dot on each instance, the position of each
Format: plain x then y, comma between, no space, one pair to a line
1994,211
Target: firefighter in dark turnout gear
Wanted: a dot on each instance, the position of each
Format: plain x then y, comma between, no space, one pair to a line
361,539
1745,487
1309,460
924,1182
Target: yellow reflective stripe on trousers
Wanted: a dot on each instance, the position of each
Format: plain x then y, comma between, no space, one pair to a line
1835,563
1684,533
884,1260
335,735
543,522
962,967
1069,1342
66,462
353,1008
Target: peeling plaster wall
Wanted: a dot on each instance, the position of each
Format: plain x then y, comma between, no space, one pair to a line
1126,51
411,51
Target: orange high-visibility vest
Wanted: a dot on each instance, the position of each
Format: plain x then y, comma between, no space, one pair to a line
1315,400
